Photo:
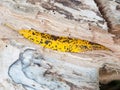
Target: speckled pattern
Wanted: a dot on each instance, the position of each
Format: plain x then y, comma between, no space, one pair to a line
63,44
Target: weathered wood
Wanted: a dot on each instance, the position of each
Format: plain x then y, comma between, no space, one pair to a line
65,75
60,18
44,73
27,67
111,12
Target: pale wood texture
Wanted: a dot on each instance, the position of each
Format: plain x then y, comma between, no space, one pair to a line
110,10
60,18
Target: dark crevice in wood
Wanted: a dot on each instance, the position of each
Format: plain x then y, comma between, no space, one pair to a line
113,85
103,13
111,29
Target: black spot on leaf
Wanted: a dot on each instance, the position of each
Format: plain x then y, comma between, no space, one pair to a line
47,42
